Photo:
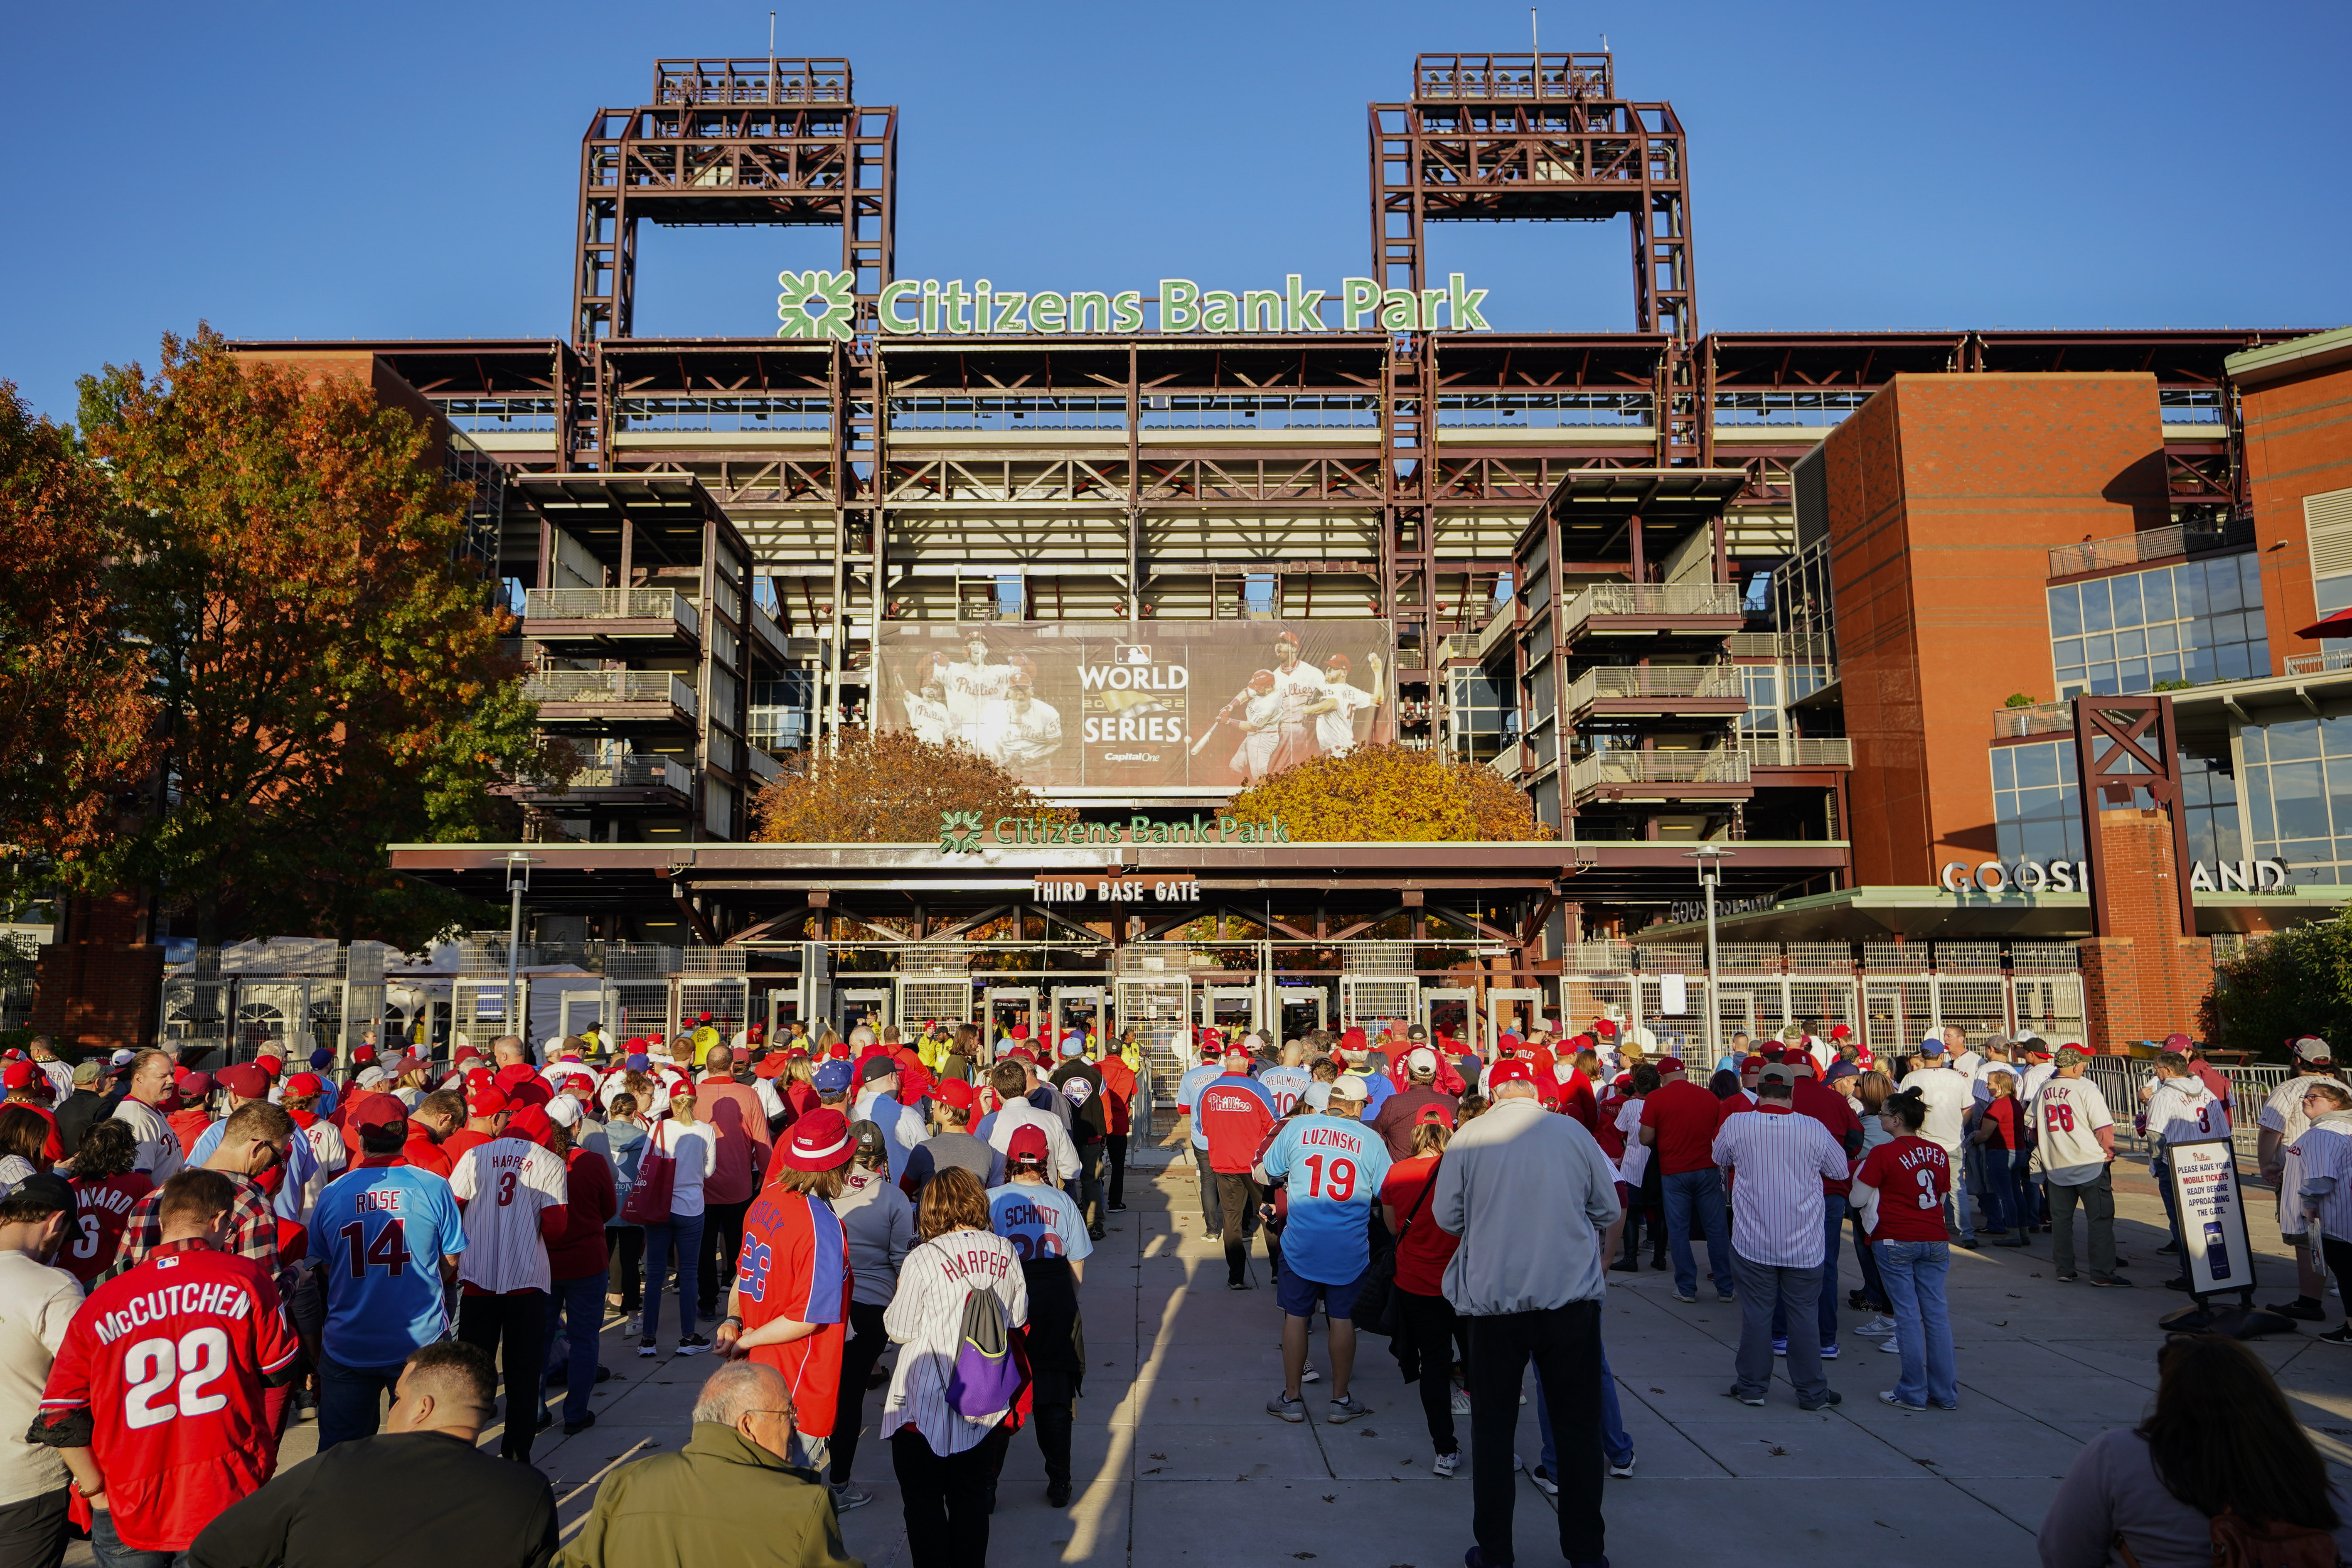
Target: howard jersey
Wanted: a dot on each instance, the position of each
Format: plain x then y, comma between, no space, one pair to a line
506,1184
381,1233
170,1362
102,1206
794,1264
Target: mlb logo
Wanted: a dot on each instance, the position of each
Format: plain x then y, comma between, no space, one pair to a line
1130,653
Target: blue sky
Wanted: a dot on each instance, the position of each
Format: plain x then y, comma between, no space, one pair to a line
339,171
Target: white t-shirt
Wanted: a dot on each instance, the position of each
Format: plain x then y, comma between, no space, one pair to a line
2066,1115
504,1185
2036,1075
696,1154
1983,1076
1335,731
159,1148
1025,738
1636,1162
1948,1093
36,1302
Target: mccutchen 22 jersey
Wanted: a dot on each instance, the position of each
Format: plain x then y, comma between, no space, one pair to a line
170,1360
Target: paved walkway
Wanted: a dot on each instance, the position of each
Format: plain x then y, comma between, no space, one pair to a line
1178,1463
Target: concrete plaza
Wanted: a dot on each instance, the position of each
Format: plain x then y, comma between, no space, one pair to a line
1177,1462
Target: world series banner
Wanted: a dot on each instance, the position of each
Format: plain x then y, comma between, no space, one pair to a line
1157,705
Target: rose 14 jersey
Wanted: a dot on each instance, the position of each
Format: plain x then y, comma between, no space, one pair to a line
382,1231
170,1361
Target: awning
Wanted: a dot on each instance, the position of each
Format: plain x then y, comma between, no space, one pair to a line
2337,625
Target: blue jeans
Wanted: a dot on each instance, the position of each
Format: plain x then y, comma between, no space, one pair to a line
1703,1190
1833,1225
1613,1440
575,1309
1913,1272
2001,1198
347,1400
111,1553
682,1234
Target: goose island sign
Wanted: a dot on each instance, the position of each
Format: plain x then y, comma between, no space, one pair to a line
824,304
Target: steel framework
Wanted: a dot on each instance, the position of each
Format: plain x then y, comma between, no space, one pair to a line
1490,138
733,143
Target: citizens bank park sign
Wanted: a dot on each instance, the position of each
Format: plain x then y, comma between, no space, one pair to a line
824,304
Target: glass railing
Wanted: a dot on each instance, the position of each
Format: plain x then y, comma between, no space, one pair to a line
1696,681
610,687
1651,598
2148,544
610,604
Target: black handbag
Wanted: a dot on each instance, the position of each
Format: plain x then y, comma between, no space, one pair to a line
1376,1306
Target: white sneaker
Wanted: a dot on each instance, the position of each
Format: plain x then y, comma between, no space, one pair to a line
1893,1347
1310,1375
1461,1402
1445,1466
1878,1327
631,1329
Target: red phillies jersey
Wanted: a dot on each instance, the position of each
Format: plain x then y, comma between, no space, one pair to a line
1235,1115
794,1263
169,1360
102,1206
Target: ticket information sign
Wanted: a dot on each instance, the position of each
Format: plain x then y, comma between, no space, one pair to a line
2204,1179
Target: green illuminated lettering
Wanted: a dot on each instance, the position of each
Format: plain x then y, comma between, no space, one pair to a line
1180,308
1464,303
1281,833
952,300
1126,311
930,305
1304,310
980,304
1159,832
886,308
1001,830
1399,312
1432,301
1140,830
1226,826
1084,305
1261,310
1220,312
1008,313
1050,312
1359,297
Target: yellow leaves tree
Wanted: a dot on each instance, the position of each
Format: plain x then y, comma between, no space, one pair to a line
889,788
1388,793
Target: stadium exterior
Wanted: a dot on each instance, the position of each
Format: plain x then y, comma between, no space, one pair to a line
1619,567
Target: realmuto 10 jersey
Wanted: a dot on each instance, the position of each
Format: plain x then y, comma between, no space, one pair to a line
505,1184
171,1362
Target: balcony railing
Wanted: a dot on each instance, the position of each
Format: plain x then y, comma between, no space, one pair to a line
611,604
2320,663
606,686
1708,681
634,770
2148,544
1611,769
2042,718
1651,598
1795,751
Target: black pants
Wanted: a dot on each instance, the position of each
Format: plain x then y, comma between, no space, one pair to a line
1208,1182
33,1532
1433,1330
945,1500
1236,1197
723,1239
1089,1194
867,1340
512,1328
1114,1171
626,1246
1565,1344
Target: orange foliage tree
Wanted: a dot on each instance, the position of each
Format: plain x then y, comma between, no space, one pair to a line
73,695
329,678
1378,793
889,788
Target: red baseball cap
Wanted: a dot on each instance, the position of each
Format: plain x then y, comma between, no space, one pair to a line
515,1072
955,1091
1670,1064
1430,1114
1027,1142
1605,1027
1511,1070
1773,1053
820,1141
245,1079
485,1101
364,1053
1841,1031
1752,1063
2180,1042
270,1063
18,1074
380,1114
303,1083
530,1122
192,1085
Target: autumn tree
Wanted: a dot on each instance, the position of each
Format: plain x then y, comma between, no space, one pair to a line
73,695
2280,986
889,788
329,677
1377,793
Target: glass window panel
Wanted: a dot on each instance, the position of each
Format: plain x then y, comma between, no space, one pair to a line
2131,644
2067,651
2135,675
2067,673
2199,666
2299,798
2258,809
2066,611
2250,581
2004,768
2293,739
2098,610
2065,751
2189,584
2258,652
2105,683
2226,846
2156,591
2222,585
2336,735
2250,737
2343,855
2098,649
2301,854
2164,667
2164,639
2037,766
2339,791
2230,659
2127,597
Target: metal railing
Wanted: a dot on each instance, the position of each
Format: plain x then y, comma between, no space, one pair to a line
610,604
1725,765
1549,75
2041,719
2320,663
610,687
2149,544
1651,598
1800,408
1710,681
634,770
1797,751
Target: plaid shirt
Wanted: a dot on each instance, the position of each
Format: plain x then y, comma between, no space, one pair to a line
252,1229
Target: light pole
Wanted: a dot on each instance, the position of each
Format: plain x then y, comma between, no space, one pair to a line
518,866
1710,858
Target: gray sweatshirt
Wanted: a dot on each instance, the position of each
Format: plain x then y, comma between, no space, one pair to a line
878,1221
2112,1489
1529,1193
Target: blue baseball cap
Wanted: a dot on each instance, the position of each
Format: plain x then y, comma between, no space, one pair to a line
636,1060
833,1078
320,1057
1073,1043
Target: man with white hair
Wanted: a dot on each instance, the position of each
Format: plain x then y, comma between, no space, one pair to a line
729,1495
508,1049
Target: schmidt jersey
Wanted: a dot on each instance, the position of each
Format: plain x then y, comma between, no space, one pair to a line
169,1362
794,1264
505,1184
1332,1170
1042,1222
381,1233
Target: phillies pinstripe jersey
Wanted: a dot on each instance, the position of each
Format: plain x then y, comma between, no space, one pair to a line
795,1264
1778,1161
505,1184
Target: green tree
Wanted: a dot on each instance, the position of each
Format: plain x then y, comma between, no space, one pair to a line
2290,982
329,679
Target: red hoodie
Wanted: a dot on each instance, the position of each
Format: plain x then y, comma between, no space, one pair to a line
589,1205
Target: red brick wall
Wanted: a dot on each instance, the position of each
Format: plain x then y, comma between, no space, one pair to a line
2145,978
1946,495
2298,444
98,985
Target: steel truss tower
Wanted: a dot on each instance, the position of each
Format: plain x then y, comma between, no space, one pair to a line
1493,138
